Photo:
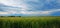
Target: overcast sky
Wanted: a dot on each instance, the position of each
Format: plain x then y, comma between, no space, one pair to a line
30,7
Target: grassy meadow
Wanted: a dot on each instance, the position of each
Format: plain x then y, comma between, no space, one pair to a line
30,22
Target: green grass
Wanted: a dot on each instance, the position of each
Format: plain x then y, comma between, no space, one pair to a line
30,22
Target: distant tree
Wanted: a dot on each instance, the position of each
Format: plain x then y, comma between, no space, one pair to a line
19,16
1,16
11,16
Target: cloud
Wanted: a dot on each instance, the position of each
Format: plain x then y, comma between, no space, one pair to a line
29,7
4,13
40,12
30,12
9,2
15,3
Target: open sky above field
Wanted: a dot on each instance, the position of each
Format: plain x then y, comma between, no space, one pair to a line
30,7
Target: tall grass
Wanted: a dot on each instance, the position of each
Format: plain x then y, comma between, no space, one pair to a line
29,22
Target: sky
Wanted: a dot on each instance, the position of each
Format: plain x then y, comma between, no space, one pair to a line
29,7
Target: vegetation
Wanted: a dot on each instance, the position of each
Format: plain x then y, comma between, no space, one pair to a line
30,22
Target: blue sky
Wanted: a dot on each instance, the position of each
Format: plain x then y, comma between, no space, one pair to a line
30,7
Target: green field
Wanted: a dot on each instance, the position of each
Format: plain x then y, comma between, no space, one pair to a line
30,22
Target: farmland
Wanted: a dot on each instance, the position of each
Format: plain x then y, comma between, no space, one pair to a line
30,22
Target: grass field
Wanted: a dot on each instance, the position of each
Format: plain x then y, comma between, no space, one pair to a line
30,22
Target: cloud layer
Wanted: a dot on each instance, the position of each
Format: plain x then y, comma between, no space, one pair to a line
29,7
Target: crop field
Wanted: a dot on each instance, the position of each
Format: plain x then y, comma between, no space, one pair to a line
30,22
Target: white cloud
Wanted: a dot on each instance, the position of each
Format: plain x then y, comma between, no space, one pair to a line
35,12
3,13
40,12
26,12
31,12
15,3
23,7
9,2
55,10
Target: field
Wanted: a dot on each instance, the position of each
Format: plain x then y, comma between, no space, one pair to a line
30,22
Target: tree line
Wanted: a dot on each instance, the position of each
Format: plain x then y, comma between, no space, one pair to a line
10,16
